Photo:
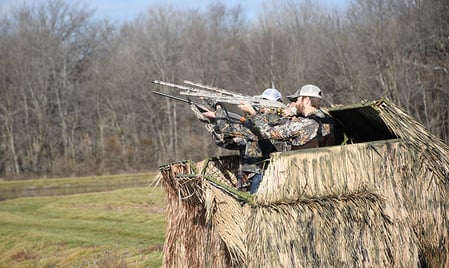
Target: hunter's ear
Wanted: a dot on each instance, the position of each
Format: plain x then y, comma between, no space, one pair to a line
306,99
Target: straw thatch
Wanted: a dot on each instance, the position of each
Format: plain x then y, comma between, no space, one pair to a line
201,217
374,203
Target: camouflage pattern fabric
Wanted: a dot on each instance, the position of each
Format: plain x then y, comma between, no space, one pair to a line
233,135
295,130
253,151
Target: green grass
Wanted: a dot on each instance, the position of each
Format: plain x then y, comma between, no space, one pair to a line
121,228
63,186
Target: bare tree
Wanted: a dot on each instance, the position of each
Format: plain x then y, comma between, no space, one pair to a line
403,45
48,46
75,94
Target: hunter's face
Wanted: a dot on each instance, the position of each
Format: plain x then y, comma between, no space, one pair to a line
299,104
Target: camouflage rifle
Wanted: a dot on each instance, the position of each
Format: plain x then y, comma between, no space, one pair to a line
222,96
232,116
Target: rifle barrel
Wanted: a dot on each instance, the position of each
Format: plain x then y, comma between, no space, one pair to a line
172,97
231,115
175,85
218,95
214,89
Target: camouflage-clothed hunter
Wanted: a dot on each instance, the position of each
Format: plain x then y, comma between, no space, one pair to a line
297,132
234,136
253,151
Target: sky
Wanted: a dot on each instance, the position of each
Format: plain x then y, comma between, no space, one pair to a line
123,10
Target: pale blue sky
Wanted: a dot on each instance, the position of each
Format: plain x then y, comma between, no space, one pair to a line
120,10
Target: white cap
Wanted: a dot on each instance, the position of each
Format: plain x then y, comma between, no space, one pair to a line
308,91
271,94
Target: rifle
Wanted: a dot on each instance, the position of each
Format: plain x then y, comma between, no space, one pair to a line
233,116
222,95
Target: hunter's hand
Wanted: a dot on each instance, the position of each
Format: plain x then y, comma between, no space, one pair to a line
290,110
247,108
209,114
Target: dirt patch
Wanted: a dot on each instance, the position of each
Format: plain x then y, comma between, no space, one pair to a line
151,249
24,255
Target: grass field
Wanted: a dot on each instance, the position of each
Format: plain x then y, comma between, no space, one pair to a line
120,228
63,186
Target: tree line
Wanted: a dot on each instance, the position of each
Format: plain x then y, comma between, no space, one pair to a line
76,93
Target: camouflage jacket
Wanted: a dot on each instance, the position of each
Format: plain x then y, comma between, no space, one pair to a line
253,150
235,136
295,131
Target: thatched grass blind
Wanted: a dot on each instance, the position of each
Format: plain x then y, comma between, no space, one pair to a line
377,203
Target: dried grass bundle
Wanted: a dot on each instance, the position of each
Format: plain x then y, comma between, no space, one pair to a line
229,219
205,226
430,148
189,232
351,230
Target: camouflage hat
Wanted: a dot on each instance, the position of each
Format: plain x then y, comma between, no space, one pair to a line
307,91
